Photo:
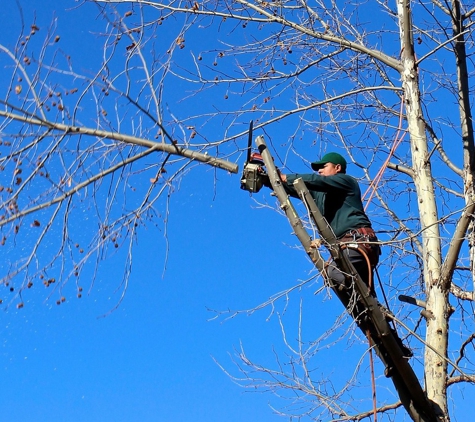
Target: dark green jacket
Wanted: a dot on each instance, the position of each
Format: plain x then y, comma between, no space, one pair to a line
337,197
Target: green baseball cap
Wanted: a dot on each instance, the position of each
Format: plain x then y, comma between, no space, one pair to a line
331,157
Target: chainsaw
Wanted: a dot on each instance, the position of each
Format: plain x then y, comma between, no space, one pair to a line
253,174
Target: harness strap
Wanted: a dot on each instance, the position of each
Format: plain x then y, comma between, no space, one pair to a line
361,231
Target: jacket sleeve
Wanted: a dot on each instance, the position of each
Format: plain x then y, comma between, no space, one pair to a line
319,183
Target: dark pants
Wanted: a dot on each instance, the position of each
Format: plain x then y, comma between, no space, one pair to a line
344,283
363,263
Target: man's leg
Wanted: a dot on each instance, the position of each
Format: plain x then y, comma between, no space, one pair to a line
345,280
344,283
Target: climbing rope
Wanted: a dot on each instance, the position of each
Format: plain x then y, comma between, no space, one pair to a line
397,141
373,381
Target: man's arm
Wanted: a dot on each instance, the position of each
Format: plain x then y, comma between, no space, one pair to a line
319,183
289,188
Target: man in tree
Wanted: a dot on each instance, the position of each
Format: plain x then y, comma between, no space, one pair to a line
338,197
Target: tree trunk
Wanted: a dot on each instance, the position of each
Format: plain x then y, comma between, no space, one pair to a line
436,293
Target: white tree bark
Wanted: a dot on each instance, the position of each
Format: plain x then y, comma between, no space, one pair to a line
436,294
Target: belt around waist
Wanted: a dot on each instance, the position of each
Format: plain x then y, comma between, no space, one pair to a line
362,231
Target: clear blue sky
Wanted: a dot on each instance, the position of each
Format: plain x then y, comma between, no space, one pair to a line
153,358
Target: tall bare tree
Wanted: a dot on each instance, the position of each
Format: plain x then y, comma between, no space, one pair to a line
387,83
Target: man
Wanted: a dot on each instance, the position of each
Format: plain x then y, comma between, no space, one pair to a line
338,197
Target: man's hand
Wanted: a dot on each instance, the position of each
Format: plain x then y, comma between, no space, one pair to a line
316,243
266,181
283,177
